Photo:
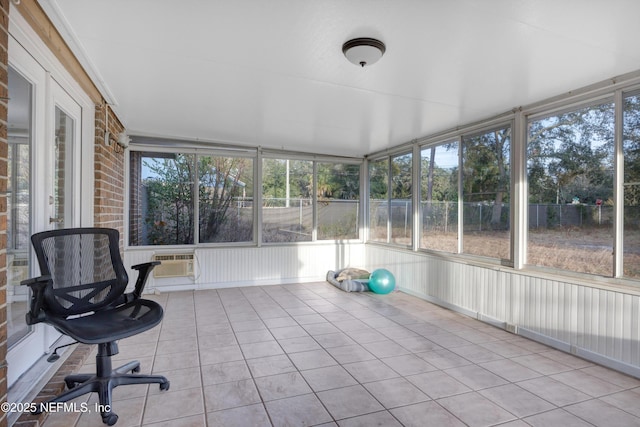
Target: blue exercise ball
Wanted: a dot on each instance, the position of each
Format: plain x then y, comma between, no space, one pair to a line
382,281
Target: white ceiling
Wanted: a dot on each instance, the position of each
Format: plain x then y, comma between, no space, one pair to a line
272,73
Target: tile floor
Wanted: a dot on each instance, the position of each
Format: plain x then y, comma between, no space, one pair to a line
310,354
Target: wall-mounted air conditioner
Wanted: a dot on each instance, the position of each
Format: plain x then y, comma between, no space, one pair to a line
173,265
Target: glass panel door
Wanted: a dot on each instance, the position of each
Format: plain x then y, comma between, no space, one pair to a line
18,203
62,180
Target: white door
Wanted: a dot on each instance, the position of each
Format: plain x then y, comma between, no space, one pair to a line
64,182
43,130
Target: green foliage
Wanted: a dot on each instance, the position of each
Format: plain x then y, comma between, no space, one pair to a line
379,179
169,216
439,180
222,181
338,181
401,178
571,155
486,166
631,147
486,171
274,178
170,190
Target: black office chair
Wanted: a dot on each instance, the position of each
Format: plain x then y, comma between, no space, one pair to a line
82,294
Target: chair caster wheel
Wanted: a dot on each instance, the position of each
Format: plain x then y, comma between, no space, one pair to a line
70,384
165,386
110,419
135,370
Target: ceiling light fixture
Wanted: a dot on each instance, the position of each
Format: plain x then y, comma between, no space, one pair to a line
363,51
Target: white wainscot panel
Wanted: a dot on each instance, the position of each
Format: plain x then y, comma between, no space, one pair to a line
235,266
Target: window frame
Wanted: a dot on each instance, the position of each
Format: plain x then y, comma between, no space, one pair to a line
421,234
570,105
619,180
257,154
183,147
387,158
461,218
315,159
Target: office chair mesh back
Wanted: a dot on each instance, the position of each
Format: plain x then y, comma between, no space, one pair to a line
85,268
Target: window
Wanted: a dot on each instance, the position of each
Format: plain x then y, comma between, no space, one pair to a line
225,199
570,177
161,210
631,192
166,210
401,206
378,200
439,197
338,193
287,208
485,192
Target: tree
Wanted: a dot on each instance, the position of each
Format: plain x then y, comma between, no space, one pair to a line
631,147
440,183
432,165
273,178
379,179
338,181
221,182
275,173
169,189
170,183
570,155
401,177
486,166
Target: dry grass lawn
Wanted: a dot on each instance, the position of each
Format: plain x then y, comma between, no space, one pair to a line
588,250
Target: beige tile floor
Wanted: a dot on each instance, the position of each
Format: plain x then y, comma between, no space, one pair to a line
310,354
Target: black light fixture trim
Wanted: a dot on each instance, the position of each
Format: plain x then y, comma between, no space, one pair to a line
364,41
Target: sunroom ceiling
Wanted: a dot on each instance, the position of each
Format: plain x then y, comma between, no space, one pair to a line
272,73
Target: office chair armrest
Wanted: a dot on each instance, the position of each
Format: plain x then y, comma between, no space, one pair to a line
37,285
144,270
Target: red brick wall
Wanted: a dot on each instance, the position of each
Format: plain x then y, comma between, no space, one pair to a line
109,172
135,202
4,36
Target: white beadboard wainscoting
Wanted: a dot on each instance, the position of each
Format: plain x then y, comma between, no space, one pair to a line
225,267
598,323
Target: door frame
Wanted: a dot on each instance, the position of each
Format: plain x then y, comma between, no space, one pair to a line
54,84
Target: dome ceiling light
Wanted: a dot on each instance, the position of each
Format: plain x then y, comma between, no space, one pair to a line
363,51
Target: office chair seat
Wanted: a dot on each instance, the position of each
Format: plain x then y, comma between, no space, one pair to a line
111,325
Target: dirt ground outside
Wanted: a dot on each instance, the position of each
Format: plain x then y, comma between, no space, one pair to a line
584,250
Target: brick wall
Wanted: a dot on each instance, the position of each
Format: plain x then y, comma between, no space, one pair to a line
4,36
109,172
135,199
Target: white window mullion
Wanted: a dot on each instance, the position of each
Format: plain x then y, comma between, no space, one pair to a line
618,187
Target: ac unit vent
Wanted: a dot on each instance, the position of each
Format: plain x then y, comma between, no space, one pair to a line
173,265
